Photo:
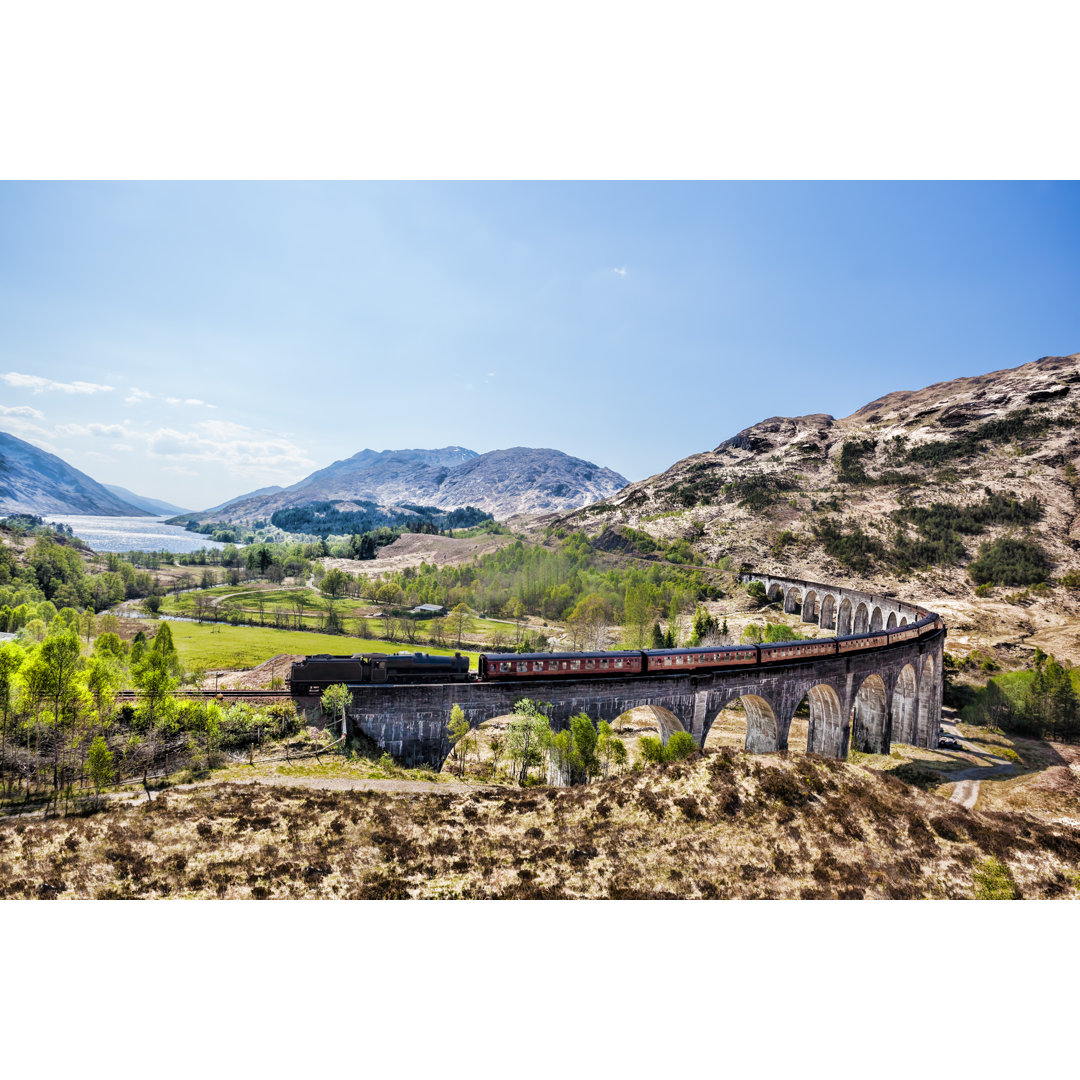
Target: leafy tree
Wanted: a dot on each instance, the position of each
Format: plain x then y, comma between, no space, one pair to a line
639,610
457,619
334,583
497,745
1051,703
458,730
610,750
658,640
587,622
680,745
704,626
164,647
651,749
526,736
100,763
585,762
335,701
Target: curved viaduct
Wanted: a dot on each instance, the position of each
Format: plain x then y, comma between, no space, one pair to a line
872,698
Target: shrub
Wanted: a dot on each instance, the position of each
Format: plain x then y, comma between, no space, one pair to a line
993,881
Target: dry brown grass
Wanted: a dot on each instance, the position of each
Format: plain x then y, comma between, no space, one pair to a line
725,824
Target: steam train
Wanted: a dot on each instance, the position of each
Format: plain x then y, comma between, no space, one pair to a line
315,673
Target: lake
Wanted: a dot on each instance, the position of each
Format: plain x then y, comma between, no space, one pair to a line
132,533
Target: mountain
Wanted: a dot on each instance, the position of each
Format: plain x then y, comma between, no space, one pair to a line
240,498
502,482
151,506
34,481
915,487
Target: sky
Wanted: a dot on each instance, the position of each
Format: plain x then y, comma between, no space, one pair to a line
193,341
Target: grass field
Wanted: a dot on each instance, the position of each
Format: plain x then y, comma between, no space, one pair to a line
277,604
211,645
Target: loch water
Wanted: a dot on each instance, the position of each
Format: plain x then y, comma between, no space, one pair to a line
132,533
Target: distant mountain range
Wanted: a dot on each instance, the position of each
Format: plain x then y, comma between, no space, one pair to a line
36,482
151,506
520,480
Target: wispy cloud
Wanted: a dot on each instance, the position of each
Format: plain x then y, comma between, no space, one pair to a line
21,410
116,431
136,395
239,449
620,270
39,384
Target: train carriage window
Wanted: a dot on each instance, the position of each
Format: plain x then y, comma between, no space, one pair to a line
618,662
589,664
523,667
504,667
603,663
575,665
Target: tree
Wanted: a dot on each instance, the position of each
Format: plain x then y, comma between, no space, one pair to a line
458,615
334,583
525,737
335,700
103,679
639,609
680,745
1050,703
164,647
704,626
457,729
60,656
610,750
497,745
588,621
100,763
658,640
11,659
585,762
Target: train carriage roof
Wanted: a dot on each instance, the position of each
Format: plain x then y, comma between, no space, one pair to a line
501,657
699,650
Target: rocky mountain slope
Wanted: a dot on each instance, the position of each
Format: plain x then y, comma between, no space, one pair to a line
902,495
502,482
36,482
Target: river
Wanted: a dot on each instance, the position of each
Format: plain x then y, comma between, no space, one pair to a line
132,533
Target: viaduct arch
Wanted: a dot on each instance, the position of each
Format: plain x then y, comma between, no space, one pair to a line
873,698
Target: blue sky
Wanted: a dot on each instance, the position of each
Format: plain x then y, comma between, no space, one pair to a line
192,341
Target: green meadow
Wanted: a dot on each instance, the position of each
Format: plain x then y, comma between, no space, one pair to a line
218,645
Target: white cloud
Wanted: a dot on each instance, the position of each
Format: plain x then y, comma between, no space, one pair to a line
237,448
179,470
21,410
27,429
122,448
116,431
620,270
137,396
39,384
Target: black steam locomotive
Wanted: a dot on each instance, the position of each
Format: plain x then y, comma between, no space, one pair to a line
314,674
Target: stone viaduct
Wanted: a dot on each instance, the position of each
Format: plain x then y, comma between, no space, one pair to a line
872,698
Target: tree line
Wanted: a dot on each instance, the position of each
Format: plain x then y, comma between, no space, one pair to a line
62,728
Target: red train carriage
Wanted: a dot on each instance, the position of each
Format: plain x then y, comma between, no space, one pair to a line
577,665
778,652
677,661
